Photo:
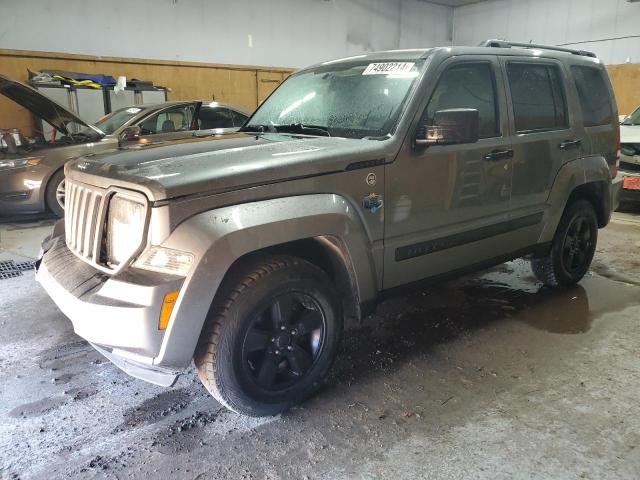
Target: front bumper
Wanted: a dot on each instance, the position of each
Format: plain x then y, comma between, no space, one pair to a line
628,195
117,314
21,190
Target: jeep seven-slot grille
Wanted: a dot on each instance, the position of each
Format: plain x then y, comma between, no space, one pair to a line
82,209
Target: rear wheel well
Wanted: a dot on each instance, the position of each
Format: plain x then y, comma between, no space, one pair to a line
596,194
327,253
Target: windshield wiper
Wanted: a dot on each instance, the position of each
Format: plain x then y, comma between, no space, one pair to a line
302,128
258,128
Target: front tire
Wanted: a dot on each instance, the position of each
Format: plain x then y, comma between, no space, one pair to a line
271,336
573,247
55,193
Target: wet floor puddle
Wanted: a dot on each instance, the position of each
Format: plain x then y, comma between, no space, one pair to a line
38,408
415,322
156,408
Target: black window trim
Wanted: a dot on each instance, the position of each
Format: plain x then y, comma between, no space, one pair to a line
494,82
548,64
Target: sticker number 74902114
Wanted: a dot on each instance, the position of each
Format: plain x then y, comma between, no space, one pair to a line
387,68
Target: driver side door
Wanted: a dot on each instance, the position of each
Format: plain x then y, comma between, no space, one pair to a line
447,206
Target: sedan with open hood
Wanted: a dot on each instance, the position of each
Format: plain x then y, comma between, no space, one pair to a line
31,169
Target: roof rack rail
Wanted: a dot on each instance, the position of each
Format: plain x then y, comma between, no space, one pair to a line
507,44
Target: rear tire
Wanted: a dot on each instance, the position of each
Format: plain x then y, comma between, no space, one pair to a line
54,194
271,336
573,247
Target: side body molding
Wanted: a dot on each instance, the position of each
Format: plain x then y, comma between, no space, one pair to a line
219,237
592,169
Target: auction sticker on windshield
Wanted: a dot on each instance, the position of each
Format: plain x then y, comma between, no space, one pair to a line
387,68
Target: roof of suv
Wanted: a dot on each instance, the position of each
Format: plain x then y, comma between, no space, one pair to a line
490,47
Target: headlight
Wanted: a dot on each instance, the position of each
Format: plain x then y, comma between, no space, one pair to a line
125,227
165,260
20,162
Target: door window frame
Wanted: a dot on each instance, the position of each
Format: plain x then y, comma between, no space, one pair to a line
494,68
505,61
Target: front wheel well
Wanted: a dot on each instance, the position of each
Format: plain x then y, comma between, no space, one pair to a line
326,252
595,193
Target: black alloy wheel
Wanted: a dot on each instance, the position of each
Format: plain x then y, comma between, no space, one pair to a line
283,342
577,245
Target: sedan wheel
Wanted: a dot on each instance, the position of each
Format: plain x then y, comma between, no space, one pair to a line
60,193
56,188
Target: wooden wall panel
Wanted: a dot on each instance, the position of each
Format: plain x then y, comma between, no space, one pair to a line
236,84
626,83
267,83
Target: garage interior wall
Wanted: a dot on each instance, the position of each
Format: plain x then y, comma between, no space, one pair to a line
283,33
230,51
607,27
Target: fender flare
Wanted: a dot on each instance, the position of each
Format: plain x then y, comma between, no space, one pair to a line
219,237
586,170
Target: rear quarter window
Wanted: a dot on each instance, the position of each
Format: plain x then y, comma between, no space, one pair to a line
594,96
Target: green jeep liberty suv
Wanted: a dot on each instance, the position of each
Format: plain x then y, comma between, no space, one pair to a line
246,252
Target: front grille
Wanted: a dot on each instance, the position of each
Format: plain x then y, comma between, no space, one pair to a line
630,167
82,211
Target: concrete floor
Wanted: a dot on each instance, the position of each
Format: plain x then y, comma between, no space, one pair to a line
488,377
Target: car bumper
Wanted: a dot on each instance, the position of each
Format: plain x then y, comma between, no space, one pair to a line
626,194
20,191
118,315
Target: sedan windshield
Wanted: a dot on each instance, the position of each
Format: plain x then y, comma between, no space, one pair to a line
110,123
633,119
353,100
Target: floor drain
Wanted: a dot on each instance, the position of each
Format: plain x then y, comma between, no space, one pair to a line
24,266
11,269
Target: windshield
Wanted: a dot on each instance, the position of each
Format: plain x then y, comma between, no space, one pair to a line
353,100
633,119
110,123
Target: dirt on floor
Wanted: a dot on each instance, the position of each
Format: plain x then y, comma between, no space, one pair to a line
491,376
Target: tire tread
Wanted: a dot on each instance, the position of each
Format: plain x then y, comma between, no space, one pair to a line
207,352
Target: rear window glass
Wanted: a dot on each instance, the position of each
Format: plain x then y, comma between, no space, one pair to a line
537,96
594,95
215,117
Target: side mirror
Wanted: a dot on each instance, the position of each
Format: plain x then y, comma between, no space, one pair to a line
458,125
129,134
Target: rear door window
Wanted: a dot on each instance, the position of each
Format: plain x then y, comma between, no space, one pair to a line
468,85
594,95
537,96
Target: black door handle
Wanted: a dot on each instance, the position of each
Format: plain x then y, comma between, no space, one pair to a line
567,144
498,155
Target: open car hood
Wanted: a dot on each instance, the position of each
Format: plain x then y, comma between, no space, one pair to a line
38,104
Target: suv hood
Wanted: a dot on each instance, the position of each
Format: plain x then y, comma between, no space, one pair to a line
40,105
221,164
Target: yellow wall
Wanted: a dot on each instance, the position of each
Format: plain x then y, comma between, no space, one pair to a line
626,83
236,84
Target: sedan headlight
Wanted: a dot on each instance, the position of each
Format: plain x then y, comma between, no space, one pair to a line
125,228
19,162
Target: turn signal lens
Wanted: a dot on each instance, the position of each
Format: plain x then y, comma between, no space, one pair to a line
168,302
166,260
